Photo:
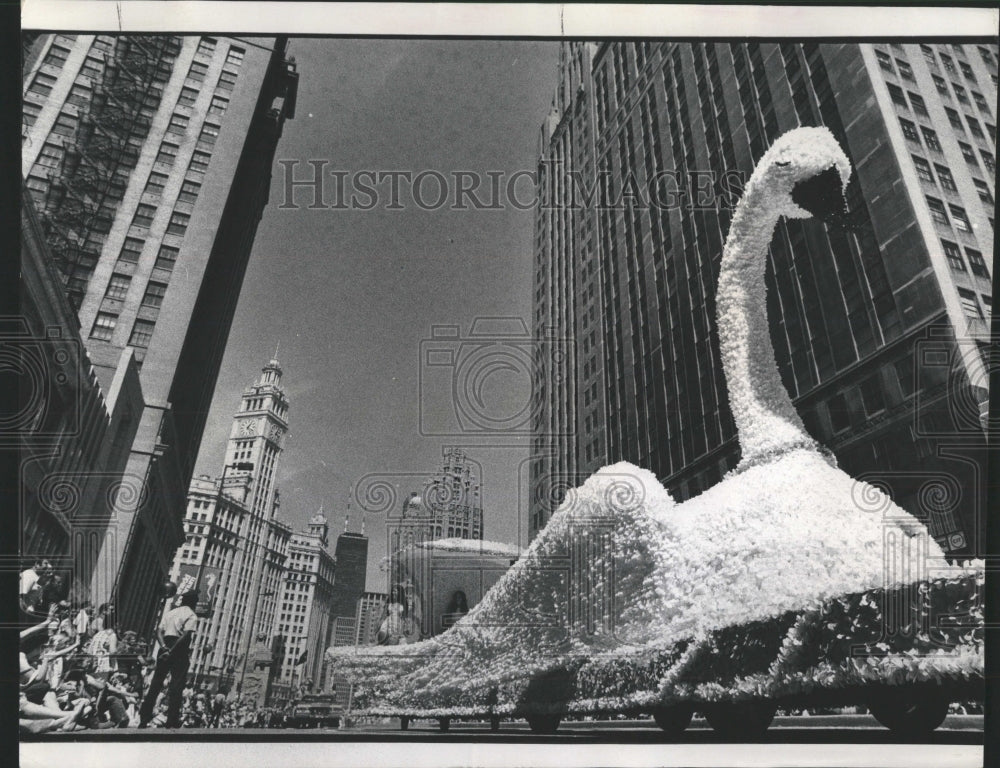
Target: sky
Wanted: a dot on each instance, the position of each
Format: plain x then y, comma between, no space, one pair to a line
353,295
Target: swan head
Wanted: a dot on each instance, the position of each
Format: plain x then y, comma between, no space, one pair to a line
805,174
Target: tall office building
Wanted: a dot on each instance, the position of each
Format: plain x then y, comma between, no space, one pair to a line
351,557
449,505
149,158
879,331
235,547
369,616
307,603
73,434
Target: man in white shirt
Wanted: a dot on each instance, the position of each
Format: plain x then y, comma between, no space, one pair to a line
175,635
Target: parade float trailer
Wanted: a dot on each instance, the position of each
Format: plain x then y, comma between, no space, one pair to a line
787,584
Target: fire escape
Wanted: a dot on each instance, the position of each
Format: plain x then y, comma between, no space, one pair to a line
102,153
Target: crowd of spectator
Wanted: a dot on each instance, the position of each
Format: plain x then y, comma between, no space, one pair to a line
79,671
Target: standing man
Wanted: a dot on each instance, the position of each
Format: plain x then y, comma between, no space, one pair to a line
175,635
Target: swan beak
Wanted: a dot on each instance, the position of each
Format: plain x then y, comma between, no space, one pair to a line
823,196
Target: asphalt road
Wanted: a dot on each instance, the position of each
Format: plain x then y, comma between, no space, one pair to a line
832,729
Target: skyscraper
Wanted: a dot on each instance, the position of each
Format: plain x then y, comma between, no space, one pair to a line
235,547
306,608
879,331
149,158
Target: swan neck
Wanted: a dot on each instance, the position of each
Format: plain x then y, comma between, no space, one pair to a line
765,417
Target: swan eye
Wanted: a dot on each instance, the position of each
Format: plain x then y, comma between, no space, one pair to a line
783,163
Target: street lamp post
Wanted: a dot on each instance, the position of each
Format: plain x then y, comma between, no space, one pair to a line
250,634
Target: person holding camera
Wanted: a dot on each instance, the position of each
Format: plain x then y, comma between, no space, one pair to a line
175,635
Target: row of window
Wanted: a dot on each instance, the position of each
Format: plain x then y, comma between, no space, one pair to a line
932,142
959,220
954,255
947,181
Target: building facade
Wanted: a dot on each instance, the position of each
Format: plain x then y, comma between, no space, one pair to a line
305,616
235,548
370,609
149,158
72,433
879,330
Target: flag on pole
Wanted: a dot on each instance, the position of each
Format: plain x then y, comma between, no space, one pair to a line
302,658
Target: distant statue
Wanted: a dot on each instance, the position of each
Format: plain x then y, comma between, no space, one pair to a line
401,617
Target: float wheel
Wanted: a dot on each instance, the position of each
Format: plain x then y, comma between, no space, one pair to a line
543,724
673,720
444,723
908,712
404,723
495,723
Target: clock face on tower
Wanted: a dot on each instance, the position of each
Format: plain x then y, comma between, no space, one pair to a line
248,428
275,433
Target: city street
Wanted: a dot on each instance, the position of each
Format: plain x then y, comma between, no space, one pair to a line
824,729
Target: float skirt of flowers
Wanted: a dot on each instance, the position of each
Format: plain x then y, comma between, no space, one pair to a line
924,634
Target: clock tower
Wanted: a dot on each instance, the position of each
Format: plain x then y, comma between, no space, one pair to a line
257,437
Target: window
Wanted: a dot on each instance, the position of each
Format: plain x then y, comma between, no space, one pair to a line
896,94
966,71
155,183
167,154
56,56
923,168
974,128
142,332
79,95
905,376
988,161
118,287
954,256
981,102
178,223
930,138
960,93
871,395
218,106
977,263
941,85
235,56
986,55
154,294
209,133
983,191
206,45
188,97
937,210
42,84
65,124
905,71
968,154
918,103
30,112
884,61
92,67
131,250
199,161
227,80
103,43
197,72
178,123
954,119
104,326
909,130
840,418
189,191
39,188
949,65
969,304
928,54
945,178
50,156
166,258
959,219
144,215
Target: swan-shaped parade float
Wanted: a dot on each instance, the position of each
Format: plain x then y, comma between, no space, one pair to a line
778,586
